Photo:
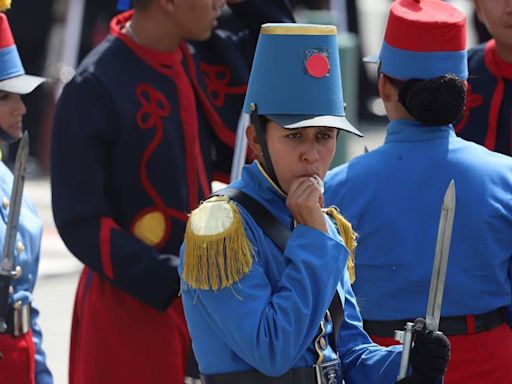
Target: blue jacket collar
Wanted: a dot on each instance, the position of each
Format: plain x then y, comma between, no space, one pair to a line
402,130
258,184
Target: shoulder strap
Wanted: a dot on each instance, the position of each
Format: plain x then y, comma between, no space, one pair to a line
261,215
337,315
280,235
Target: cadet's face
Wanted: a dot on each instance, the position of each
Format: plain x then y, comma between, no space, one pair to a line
196,18
302,152
12,110
497,16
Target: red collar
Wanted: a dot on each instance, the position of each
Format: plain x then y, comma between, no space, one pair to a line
498,66
152,57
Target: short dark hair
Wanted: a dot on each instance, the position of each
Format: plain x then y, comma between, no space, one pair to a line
438,101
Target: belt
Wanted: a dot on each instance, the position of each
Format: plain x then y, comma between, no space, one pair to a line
293,376
329,372
450,326
18,319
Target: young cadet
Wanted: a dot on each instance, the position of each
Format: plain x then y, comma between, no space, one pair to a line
146,124
488,116
265,286
393,197
22,359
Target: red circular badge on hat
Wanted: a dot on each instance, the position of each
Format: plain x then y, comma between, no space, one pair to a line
317,65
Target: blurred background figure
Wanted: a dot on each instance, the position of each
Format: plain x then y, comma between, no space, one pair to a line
31,22
393,195
22,359
145,125
64,31
488,116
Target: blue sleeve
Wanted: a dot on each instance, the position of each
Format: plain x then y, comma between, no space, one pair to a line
43,375
32,235
509,308
274,326
31,230
362,360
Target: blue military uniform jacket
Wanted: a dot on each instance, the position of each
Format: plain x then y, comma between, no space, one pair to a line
267,318
393,196
27,257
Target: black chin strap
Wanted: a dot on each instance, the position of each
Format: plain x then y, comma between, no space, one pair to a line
269,168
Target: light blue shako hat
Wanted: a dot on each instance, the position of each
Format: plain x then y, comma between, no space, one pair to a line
295,80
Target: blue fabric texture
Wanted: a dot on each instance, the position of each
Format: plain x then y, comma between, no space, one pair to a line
29,234
403,64
280,65
268,320
393,196
11,63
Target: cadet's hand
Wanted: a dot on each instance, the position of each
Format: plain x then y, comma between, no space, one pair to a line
429,358
305,201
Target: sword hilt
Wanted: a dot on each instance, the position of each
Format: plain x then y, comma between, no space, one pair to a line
405,338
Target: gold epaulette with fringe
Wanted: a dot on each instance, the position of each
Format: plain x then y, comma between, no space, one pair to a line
217,252
5,5
348,236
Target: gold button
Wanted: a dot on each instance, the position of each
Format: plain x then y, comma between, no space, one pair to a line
5,202
323,344
20,247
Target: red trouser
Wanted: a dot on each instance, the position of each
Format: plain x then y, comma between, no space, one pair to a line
118,339
17,359
479,358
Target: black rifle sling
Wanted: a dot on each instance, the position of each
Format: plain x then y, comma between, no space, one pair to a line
279,235
261,215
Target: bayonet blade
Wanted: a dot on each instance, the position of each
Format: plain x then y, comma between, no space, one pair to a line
437,282
15,205
7,272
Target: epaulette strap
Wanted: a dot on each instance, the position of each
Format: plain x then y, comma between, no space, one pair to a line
348,236
217,252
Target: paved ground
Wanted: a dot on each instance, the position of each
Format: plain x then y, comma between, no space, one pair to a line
54,293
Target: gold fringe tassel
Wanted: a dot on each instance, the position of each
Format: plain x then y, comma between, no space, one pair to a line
5,5
218,260
349,237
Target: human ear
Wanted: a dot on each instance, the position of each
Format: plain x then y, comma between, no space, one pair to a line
385,88
252,139
478,10
168,5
